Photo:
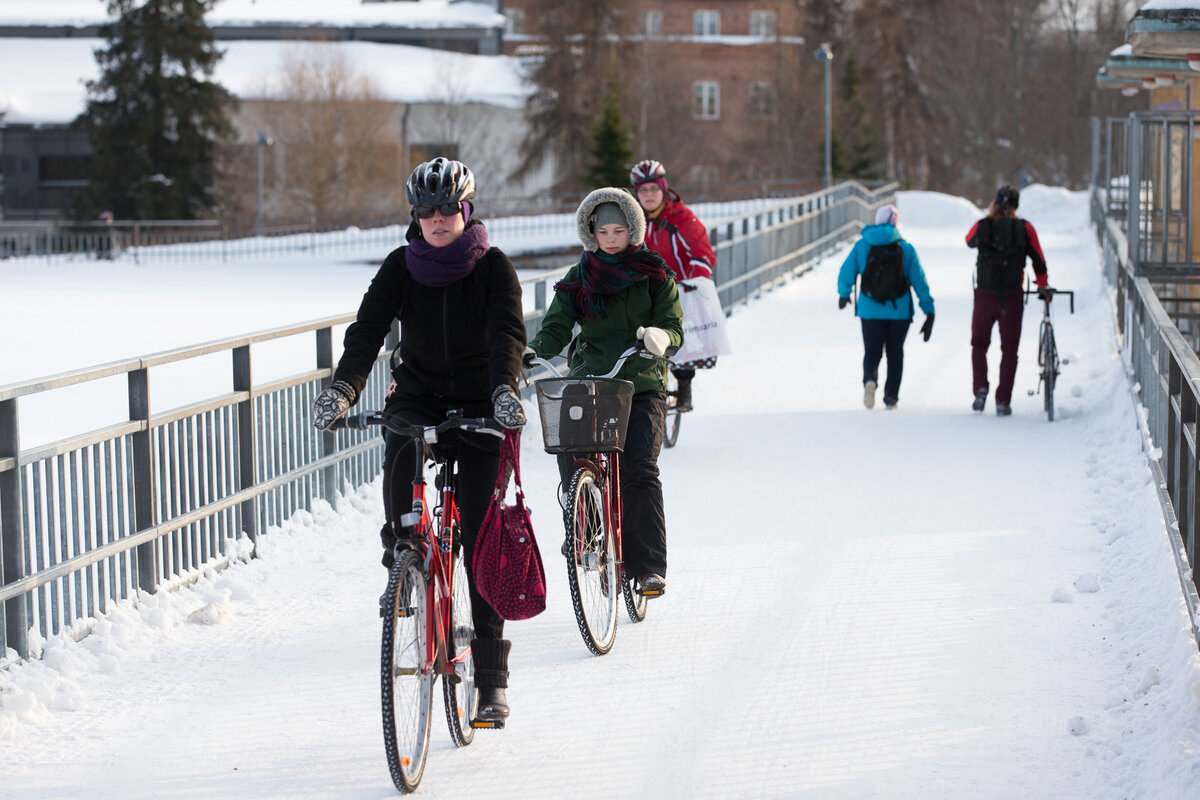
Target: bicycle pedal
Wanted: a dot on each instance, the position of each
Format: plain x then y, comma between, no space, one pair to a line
651,592
486,723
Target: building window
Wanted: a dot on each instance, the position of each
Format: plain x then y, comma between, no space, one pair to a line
762,23
707,23
514,22
652,23
63,171
706,100
762,100
705,176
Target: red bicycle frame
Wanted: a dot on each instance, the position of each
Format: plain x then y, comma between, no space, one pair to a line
607,467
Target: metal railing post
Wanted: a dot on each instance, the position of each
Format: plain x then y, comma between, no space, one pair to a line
143,478
329,484
246,438
14,624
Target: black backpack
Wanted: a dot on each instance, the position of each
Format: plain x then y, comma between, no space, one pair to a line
1001,258
883,277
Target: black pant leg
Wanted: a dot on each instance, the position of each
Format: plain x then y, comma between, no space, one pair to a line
644,526
896,333
478,466
873,334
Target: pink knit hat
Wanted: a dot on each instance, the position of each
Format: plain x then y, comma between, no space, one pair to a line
887,215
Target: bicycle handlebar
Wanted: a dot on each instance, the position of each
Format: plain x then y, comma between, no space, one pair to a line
426,433
638,350
1054,291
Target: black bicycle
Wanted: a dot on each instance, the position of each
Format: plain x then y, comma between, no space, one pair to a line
1048,361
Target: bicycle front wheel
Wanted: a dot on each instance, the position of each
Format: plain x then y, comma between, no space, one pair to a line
1049,359
458,687
671,435
591,564
406,672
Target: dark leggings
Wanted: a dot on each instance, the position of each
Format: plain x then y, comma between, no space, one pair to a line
478,457
644,523
990,311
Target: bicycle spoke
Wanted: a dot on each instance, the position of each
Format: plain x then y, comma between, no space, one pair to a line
407,680
592,571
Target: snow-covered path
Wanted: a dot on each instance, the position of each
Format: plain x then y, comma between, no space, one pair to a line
923,603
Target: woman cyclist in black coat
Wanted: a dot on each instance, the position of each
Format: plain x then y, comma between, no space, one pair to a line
462,332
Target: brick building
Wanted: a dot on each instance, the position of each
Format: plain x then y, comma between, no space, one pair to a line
724,92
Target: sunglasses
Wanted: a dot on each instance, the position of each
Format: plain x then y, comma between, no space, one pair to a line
448,210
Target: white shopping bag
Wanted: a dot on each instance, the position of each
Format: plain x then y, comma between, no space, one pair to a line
703,322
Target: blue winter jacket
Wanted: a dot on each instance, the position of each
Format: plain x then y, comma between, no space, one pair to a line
856,262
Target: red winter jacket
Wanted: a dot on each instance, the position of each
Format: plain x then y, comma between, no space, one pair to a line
681,239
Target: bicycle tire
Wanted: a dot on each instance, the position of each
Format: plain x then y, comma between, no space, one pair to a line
635,604
591,564
1049,371
458,690
406,678
671,435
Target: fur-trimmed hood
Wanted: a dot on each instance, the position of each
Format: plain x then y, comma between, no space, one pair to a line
628,205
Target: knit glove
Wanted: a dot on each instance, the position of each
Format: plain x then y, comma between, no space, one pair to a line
656,340
332,403
507,408
843,302
927,328
527,358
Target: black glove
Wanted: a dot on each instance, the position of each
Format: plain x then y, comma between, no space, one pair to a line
927,328
527,358
332,403
507,408
1045,293
843,302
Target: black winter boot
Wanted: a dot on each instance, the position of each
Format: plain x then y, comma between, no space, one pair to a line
491,677
683,395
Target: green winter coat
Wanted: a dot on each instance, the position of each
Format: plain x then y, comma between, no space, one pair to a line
651,303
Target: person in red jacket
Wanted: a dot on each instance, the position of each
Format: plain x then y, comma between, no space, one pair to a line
1004,241
673,232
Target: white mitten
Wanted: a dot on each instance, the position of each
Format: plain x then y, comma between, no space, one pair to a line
656,339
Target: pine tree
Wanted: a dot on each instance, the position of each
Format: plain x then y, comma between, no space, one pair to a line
855,149
610,155
153,115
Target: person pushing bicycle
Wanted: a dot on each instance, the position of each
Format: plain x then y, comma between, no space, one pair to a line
462,332
618,293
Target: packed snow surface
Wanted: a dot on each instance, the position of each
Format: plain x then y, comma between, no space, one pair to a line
921,603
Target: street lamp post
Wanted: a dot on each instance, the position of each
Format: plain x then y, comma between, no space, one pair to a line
263,141
825,54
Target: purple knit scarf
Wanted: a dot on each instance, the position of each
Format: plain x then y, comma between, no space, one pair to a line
442,266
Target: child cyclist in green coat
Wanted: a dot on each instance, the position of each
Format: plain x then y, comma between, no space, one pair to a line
618,293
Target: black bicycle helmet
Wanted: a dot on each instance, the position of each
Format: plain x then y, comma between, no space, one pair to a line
440,181
646,170
1007,197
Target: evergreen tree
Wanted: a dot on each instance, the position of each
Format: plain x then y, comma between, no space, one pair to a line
153,115
855,149
610,155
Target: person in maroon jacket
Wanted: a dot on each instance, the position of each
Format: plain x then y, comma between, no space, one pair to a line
674,232
1004,241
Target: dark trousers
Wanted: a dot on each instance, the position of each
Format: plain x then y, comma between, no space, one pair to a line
988,311
880,336
478,457
643,523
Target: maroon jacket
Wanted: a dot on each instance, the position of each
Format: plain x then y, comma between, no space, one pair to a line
681,239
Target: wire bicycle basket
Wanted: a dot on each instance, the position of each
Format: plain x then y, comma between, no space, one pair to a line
584,415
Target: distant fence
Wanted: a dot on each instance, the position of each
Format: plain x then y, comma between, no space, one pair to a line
1157,318
148,503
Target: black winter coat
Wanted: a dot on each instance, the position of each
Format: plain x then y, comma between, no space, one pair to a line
457,342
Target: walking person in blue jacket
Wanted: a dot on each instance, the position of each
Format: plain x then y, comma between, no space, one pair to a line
890,273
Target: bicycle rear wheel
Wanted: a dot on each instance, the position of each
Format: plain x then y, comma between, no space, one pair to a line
458,688
591,564
406,676
635,603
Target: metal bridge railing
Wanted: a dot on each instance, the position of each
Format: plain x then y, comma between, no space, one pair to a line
152,501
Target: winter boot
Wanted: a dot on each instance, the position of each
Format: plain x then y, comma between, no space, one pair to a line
683,395
980,401
869,393
491,677
1003,410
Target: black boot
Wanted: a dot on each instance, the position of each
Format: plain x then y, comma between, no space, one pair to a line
491,677
683,395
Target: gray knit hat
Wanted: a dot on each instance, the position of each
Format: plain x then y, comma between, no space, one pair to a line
608,214
631,216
